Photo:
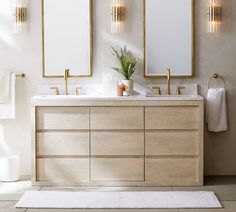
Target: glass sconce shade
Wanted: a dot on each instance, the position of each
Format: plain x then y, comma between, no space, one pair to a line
214,16
117,16
20,16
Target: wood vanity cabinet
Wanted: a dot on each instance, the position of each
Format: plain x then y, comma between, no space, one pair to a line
122,143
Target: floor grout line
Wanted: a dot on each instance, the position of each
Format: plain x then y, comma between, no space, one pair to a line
1,200
225,191
227,200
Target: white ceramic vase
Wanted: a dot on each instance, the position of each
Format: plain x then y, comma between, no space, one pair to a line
129,86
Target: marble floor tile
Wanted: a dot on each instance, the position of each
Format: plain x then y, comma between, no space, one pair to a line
9,206
224,187
228,206
224,192
12,210
14,190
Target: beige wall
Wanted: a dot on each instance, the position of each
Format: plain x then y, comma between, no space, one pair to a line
214,53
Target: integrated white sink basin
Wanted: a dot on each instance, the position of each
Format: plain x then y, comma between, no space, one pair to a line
143,93
114,98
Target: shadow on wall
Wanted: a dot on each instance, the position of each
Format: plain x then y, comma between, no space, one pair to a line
6,24
5,149
117,42
228,17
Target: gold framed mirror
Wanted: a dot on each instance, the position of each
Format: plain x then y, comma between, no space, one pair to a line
169,38
67,38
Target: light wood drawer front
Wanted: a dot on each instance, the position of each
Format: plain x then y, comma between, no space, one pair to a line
117,143
171,143
117,118
117,169
176,172
51,118
63,143
63,170
171,117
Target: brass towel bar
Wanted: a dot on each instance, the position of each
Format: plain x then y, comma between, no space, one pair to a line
21,75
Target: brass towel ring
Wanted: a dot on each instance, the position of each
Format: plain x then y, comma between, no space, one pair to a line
216,77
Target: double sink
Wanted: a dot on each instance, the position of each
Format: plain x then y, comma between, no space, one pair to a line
190,93
130,98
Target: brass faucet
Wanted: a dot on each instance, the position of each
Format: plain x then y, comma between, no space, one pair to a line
168,76
66,76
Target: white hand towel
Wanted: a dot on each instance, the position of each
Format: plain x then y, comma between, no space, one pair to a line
7,110
5,87
216,110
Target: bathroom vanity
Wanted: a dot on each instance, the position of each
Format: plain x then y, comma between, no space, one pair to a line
117,141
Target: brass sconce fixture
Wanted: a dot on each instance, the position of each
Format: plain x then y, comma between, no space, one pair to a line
214,16
20,16
117,16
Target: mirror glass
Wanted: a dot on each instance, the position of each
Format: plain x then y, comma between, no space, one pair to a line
67,37
168,37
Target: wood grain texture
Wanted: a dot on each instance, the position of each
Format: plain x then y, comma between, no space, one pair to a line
171,117
63,143
123,102
116,135
117,143
175,172
171,143
33,145
201,143
63,170
117,169
53,118
115,118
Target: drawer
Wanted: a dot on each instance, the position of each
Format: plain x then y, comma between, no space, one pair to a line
117,118
172,172
63,143
171,143
171,117
117,169
117,143
69,118
63,170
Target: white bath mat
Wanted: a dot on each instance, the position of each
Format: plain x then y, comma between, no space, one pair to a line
172,199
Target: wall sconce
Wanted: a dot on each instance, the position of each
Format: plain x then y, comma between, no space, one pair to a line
214,16
20,16
117,16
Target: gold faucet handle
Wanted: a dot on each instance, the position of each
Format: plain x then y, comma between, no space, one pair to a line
56,90
157,89
168,73
178,90
67,73
77,90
